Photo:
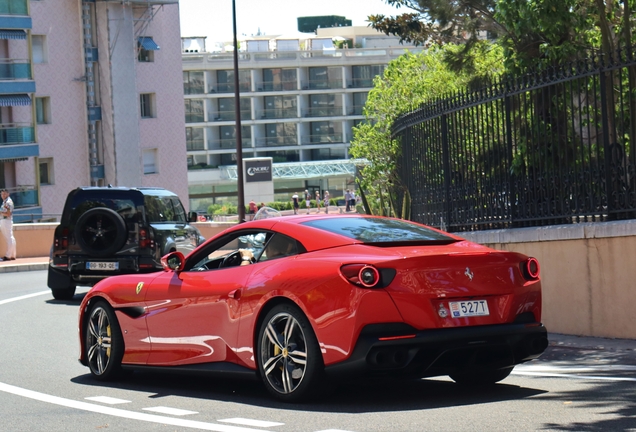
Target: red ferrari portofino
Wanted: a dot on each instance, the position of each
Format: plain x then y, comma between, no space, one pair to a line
296,300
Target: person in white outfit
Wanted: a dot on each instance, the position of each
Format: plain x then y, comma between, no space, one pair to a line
6,225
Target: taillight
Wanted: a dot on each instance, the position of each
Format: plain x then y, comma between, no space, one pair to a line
62,241
363,275
531,269
144,239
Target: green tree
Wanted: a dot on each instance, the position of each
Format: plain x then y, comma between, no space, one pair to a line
407,82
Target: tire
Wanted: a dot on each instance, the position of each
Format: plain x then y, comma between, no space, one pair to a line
289,358
100,231
104,343
481,377
63,293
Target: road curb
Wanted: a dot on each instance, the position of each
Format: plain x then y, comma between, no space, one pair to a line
11,268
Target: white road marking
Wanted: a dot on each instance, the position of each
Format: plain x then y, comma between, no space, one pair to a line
250,422
333,430
579,369
116,412
170,411
24,297
564,375
107,400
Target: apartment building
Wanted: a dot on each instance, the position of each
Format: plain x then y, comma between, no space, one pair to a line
300,97
89,95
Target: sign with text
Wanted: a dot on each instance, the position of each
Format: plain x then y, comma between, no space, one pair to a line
258,170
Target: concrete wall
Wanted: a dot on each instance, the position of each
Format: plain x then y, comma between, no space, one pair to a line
587,270
587,273
35,240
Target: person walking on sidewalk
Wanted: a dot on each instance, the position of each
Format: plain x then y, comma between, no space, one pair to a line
326,201
6,225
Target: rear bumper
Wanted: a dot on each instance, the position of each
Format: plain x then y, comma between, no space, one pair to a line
398,349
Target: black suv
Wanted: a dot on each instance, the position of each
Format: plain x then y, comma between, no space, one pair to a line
107,231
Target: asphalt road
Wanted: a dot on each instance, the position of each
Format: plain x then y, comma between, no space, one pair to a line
579,384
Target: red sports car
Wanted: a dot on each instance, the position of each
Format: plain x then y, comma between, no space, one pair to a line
297,300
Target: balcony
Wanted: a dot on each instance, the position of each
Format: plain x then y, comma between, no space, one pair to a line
361,83
322,84
194,118
278,113
231,115
16,133
228,143
24,196
278,86
322,139
323,111
229,88
195,145
356,110
12,69
193,89
14,7
277,141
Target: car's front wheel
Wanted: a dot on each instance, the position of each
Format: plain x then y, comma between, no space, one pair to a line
481,377
104,342
289,358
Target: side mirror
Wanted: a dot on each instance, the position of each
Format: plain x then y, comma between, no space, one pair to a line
173,261
192,216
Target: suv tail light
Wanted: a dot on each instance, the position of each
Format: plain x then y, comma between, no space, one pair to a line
62,241
144,239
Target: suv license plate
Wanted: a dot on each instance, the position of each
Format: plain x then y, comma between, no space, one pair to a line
469,308
92,265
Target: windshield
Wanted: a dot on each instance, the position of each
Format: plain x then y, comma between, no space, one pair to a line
380,230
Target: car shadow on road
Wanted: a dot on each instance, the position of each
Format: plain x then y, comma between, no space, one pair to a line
356,396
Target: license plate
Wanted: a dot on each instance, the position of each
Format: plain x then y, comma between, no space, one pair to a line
96,265
469,308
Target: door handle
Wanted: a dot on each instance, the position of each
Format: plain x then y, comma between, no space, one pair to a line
236,294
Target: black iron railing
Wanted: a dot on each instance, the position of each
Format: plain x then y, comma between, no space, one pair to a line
550,148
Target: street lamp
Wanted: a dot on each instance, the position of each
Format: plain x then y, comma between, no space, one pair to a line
237,114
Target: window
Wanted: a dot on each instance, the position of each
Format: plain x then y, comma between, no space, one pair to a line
46,171
193,83
280,107
43,110
325,77
225,80
194,110
363,75
150,161
146,47
279,79
38,44
194,139
147,103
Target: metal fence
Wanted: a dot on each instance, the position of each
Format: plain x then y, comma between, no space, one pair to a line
549,148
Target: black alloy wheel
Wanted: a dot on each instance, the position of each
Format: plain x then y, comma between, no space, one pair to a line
104,343
100,231
289,358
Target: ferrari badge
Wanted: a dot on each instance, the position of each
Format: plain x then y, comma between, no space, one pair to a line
140,285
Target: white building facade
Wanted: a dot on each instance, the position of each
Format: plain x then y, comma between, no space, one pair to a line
300,97
101,97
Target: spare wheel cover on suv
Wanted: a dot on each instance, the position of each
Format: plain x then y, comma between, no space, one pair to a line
100,231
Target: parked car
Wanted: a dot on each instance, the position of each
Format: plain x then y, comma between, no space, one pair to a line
299,300
106,231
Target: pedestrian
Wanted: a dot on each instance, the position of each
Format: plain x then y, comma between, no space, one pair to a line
347,198
318,201
352,203
295,203
326,202
6,225
252,209
308,200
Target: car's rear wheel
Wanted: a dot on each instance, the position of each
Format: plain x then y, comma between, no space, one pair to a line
104,342
481,377
63,293
289,358
100,231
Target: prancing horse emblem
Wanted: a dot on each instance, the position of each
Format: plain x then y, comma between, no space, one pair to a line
140,285
469,273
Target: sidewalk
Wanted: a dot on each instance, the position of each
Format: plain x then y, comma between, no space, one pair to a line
24,264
